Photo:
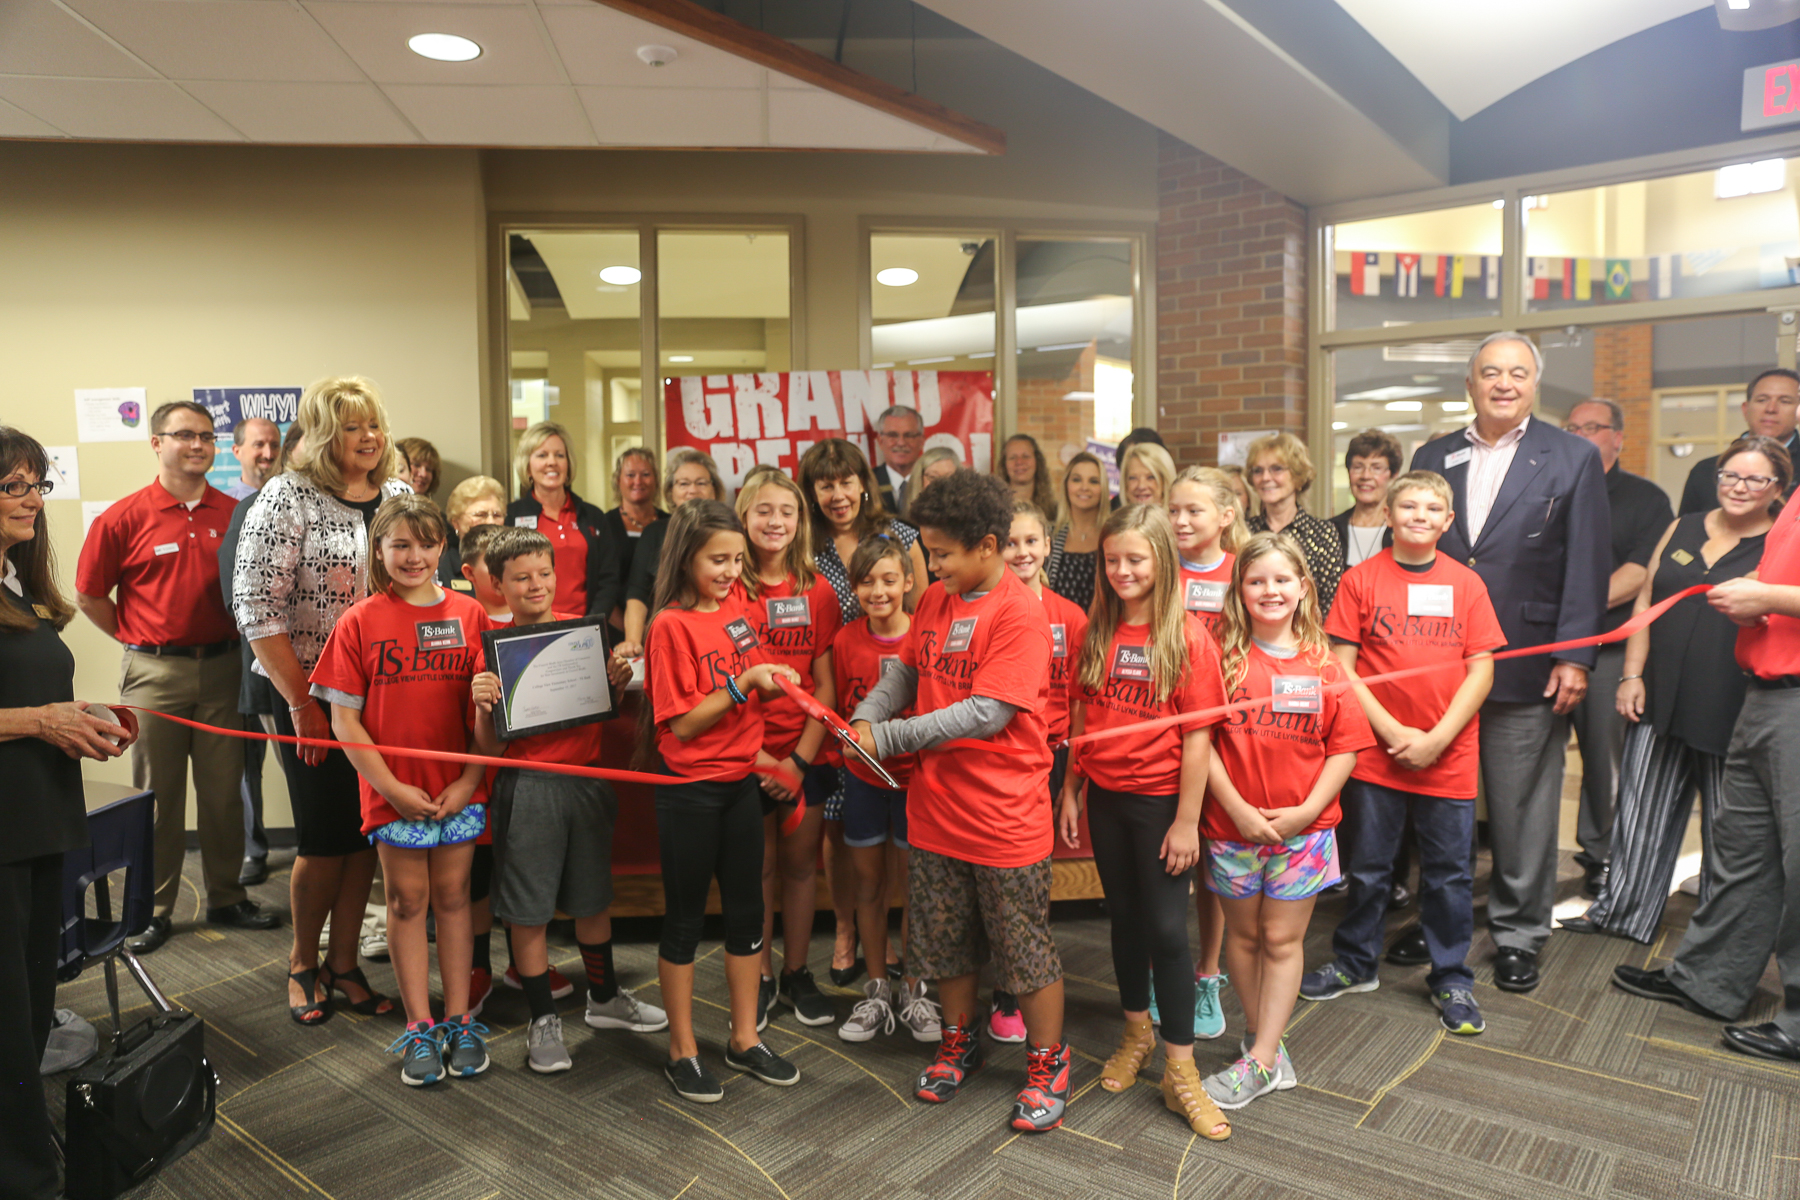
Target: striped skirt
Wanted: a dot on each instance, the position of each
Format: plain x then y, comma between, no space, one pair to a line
1657,780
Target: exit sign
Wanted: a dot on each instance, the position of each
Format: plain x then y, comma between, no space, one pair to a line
1771,95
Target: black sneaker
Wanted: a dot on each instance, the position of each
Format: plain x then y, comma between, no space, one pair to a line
765,1002
763,1063
958,1057
1041,1104
800,993
692,1081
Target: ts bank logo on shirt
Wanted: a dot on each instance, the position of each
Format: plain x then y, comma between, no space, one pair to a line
439,635
1296,694
1059,641
1131,662
961,634
1206,595
793,612
742,636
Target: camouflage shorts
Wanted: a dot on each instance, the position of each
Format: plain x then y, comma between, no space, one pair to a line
963,914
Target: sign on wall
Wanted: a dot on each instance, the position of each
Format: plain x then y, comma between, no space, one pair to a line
1771,95
230,406
743,420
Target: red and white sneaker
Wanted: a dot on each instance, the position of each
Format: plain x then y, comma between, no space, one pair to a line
1045,1097
481,986
560,987
958,1057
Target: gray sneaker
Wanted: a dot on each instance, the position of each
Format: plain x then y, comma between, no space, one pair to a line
465,1050
1286,1078
872,1015
923,1017
421,1055
1240,1083
544,1049
626,1011
1331,981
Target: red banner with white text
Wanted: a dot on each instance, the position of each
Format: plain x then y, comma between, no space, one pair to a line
743,420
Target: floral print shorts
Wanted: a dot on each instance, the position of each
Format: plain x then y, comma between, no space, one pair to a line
1300,867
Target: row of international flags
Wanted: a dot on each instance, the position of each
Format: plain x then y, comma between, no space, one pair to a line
1459,275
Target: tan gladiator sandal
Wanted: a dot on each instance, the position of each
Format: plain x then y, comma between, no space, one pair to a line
1121,1070
1186,1096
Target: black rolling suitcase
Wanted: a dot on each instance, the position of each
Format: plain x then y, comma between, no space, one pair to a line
151,1099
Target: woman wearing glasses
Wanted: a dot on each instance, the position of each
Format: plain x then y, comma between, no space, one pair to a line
1280,473
1682,690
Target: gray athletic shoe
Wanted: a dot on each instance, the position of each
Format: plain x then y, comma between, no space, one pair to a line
1331,981
626,1011
923,1017
421,1055
872,1015
1286,1078
1240,1083
544,1049
465,1051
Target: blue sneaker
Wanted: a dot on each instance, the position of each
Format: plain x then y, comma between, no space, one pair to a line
1331,981
467,1052
1458,1010
1209,1018
421,1055
1155,1017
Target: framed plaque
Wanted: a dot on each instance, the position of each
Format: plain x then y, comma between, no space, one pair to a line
552,676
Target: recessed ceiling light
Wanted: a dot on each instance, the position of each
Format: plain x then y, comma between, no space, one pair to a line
897,276
1455,406
1340,424
675,358
620,276
444,47
1404,405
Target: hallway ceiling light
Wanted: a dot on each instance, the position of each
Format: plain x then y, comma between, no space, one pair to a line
1455,406
897,276
1404,405
444,47
1394,392
620,276
675,358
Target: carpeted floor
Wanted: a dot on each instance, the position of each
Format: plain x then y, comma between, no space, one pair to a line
1575,1090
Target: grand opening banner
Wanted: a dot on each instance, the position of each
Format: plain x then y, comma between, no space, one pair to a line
743,420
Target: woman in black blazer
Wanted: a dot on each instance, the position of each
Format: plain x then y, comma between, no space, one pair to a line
622,530
1372,460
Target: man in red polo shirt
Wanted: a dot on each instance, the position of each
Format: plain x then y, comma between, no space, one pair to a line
149,576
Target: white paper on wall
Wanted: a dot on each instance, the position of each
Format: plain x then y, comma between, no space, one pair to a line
90,509
65,472
111,415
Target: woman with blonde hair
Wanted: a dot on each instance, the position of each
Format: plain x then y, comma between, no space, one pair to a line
1075,542
544,470
1145,473
1280,472
937,463
622,530
302,561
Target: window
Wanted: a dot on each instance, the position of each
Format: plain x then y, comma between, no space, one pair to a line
931,301
1427,266
1074,309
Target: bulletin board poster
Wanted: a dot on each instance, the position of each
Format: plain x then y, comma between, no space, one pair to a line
743,420
230,406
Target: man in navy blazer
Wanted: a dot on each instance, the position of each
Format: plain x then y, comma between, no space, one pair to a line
1532,519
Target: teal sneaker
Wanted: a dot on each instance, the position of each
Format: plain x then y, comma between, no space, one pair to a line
1209,1017
421,1055
1155,1017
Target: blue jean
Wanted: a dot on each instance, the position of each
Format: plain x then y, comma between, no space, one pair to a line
1446,830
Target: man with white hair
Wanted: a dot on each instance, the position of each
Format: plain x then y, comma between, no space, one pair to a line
1532,520
901,432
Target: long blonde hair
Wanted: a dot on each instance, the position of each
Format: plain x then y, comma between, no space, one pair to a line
324,407
420,514
1234,629
1167,647
797,559
1218,485
529,441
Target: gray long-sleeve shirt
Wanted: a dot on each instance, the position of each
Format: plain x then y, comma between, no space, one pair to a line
976,717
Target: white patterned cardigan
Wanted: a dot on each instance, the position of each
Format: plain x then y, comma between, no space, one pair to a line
302,560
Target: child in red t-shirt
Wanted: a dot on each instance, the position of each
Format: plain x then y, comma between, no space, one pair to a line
1027,548
552,844
1410,606
977,667
1209,529
396,671
472,579
704,679
1145,658
795,614
1271,800
875,814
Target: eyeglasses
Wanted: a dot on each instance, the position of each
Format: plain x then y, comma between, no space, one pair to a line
1588,430
1274,470
188,437
1755,483
915,436
18,487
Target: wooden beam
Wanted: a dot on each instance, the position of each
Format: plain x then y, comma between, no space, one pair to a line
767,50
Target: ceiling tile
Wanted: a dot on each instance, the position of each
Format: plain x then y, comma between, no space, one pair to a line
512,47
674,117
824,119
16,122
316,113
599,46
38,38
222,39
139,110
494,116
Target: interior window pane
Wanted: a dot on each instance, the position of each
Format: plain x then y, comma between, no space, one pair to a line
1074,339
1426,266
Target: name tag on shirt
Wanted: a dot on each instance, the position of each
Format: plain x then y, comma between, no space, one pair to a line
525,522
1457,458
1206,595
165,548
792,612
462,585
889,662
742,636
1297,694
1682,557
440,635
1131,662
1430,600
43,614
1059,641
961,634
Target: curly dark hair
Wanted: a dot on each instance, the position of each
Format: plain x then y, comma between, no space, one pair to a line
966,507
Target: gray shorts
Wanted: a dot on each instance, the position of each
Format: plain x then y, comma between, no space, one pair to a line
552,845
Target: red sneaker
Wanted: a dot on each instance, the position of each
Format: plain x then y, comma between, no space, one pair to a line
481,984
1045,1097
958,1057
560,987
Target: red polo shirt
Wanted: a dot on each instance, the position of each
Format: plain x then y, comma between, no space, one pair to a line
163,558
569,548
1772,649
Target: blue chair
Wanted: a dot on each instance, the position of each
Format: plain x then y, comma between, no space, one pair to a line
121,837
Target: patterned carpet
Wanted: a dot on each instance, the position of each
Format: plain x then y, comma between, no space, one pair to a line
1576,1090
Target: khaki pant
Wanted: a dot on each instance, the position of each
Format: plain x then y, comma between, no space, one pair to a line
200,690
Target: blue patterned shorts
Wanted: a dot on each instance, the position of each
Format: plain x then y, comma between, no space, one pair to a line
1302,866
465,826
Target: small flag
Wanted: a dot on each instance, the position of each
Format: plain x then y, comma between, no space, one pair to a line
1577,279
1618,279
1365,274
1406,275
1441,274
1456,276
1705,260
1540,271
1490,275
1663,270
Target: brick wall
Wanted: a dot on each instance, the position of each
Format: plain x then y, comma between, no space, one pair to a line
1231,305
1622,372
1062,427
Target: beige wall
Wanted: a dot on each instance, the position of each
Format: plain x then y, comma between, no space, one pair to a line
176,267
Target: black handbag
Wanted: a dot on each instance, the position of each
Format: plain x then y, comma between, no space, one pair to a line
144,1104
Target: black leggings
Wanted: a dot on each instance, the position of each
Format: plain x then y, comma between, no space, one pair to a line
705,830
1148,906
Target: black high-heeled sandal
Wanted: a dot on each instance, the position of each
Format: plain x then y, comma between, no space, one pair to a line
370,1007
314,1011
